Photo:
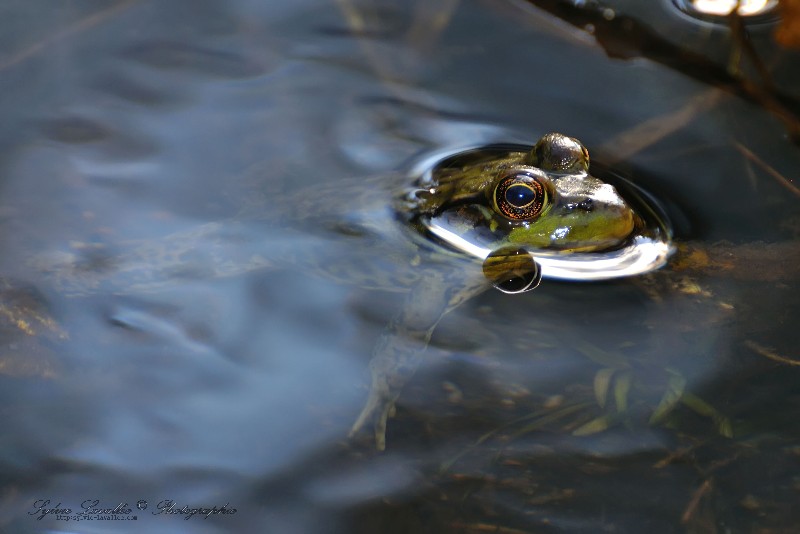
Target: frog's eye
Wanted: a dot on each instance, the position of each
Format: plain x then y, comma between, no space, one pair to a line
520,196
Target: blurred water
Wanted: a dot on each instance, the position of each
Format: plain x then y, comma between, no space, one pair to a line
129,122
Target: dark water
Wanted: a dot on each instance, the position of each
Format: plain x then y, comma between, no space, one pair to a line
129,122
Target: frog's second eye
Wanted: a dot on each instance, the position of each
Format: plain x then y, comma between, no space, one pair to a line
558,153
520,196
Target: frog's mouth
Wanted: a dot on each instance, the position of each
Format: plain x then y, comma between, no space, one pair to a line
462,228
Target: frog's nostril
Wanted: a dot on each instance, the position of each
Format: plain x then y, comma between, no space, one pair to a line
586,204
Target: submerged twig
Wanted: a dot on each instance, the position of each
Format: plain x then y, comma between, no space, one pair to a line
767,353
429,23
781,179
625,37
79,26
699,493
743,47
788,32
764,93
763,262
649,132
430,20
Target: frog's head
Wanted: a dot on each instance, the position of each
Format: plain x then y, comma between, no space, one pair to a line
543,199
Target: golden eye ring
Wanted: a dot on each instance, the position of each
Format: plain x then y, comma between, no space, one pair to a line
519,195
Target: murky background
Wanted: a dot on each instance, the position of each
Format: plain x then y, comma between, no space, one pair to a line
128,376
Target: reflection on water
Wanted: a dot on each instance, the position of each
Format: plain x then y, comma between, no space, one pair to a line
214,365
745,8
512,270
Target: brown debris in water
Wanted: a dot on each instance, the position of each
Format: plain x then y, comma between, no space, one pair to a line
26,328
788,33
764,262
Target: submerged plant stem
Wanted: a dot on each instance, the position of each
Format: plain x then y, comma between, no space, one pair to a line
767,353
81,25
781,179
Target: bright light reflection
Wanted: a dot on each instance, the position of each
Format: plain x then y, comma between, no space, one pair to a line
747,8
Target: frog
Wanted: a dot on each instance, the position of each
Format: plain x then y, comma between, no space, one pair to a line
544,200
450,230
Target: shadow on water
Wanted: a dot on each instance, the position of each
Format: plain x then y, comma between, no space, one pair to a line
198,255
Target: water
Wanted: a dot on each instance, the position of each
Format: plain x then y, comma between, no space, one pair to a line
131,122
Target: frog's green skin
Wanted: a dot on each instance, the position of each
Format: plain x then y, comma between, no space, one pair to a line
583,214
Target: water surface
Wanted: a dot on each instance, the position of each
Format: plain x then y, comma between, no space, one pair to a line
129,122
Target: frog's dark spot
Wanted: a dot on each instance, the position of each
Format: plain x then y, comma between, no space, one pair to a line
585,205
95,260
348,228
75,130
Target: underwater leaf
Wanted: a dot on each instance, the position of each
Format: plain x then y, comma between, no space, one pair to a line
602,357
602,381
724,426
698,405
552,417
622,387
721,423
676,385
598,424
